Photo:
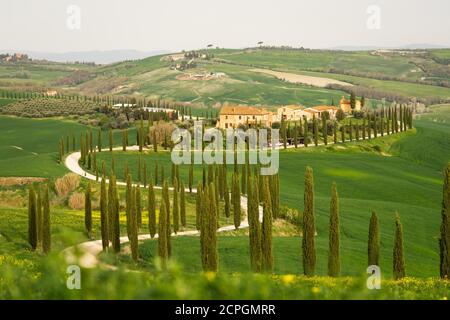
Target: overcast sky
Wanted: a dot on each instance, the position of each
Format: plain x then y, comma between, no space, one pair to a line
45,25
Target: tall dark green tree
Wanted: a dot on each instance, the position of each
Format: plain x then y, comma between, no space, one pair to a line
88,210
254,226
113,214
32,219
444,239
176,208
183,205
138,205
46,232
151,210
133,226
398,256
104,214
309,229
198,205
39,216
111,140
99,141
334,263
236,198
163,250
266,233
374,241
191,177
325,130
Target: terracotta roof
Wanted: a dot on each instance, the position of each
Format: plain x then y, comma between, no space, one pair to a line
325,108
310,110
243,110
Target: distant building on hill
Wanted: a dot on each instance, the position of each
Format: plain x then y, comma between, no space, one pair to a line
291,113
320,110
51,93
345,105
234,116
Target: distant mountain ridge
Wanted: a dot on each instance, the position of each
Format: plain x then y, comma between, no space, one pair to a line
97,56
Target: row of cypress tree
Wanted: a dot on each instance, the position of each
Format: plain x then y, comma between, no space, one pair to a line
385,121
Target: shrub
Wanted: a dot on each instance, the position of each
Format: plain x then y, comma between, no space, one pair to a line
65,185
76,201
291,215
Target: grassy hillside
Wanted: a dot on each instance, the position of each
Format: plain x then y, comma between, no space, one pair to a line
402,74
29,147
360,68
367,180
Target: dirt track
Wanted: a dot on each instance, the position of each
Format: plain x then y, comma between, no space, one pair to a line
298,78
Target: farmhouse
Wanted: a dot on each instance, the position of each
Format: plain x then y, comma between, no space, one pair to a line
51,93
234,116
291,113
320,110
345,106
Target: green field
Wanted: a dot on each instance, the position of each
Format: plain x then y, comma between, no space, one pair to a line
152,77
29,147
366,181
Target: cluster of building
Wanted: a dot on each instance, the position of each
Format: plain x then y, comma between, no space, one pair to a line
234,116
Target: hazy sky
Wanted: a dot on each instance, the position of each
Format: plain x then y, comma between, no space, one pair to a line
42,25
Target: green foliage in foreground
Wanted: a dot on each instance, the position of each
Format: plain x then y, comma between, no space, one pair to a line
175,284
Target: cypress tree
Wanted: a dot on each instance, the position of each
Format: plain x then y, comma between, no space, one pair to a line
111,140
213,257
364,129
111,208
138,207
163,251
176,208
39,217
343,134
191,177
335,137
398,257
243,179
155,143
266,234
226,196
133,225
236,196
99,141
316,131
104,214
166,200
124,140
444,239
183,205
203,225
88,210
198,205
254,226
145,174
334,264
374,241
295,135
116,216
325,130
32,219
139,169
305,134
151,211
46,232
309,251
156,173
128,200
